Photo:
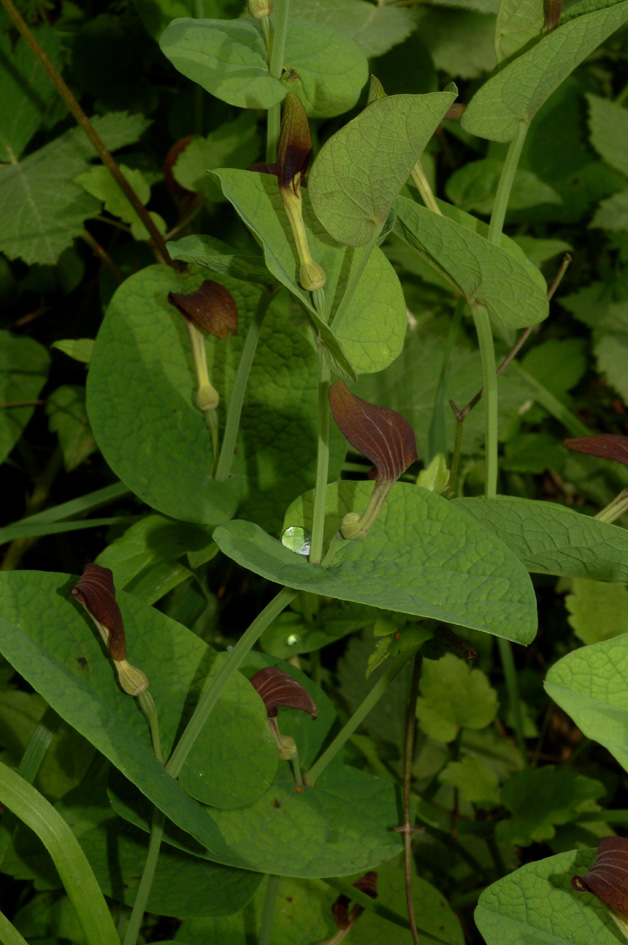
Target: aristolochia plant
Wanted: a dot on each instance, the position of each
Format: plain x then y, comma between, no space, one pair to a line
232,426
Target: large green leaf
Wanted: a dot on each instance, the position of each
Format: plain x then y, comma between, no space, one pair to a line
369,331
516,93
552,539
484,273
140,392
228,58
41,208
421,557
361,169
589,685
519,22
23,371
50,641
374,30
537,905
25,90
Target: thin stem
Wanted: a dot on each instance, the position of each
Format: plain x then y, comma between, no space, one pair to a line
147,705
275,67
85,124
514,697
102,255
268,910
423,187
236,401
211,418
505,183
552,404
322,460
232,661
356,720
143,890
614,509
487,353
408,829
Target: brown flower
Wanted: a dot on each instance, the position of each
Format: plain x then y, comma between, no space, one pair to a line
608,879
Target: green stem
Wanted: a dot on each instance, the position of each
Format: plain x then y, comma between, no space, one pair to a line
211,419
408,828
43,734
356,719
268,910
146,704
514,697
322,460
275,67
72,865
423,187
489,377
614,509
552,404
232,661
148,875
236,401
505,183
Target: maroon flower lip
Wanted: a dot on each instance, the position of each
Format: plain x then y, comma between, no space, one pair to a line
96,592
608,877
277,688
605,445
379,433
295,144
211,307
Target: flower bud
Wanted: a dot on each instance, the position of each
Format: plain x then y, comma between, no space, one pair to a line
260,8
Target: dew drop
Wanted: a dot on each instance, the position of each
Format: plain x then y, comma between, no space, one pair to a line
296,539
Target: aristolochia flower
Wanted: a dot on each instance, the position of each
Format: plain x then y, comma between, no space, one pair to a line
608,879
277,688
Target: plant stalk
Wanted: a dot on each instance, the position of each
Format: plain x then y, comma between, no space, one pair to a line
506,181
615,509
489,376
322,460
514,698
356,720
236,401
268,910
143,890
275,67
232,661
408,829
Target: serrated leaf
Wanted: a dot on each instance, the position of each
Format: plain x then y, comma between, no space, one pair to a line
26,91
588,685
552,539
478,782
597,611
375,31
361,169
99,182
453,696
419,558
517,92
228,58
541,798
367,333
67,417
537,905
519,22
24,367
608,131
483,273
140,402
41,208
612,213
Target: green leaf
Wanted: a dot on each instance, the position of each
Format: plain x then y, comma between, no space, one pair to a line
538,250
477,781
482,272
206,252
588,685
67,417
41,208
517,92
519,22
26,91
541,798
99,182
144,560
460,42
552,539
558,364
24,367
228,58
140,392
608,131
453,696
473,187
537,905
612,213
360,170
368,332
324,68
78,348
533,453
233,144
375,31
420,557
57,651
597,611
